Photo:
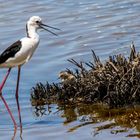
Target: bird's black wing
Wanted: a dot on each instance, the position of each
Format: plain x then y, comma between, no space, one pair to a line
10,51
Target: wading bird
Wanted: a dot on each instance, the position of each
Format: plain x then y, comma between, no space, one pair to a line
20,53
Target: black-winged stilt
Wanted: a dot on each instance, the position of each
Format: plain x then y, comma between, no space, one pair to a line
20,53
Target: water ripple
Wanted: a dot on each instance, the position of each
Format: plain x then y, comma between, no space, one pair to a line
107,27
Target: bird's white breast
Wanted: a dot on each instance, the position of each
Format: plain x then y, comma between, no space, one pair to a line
28,46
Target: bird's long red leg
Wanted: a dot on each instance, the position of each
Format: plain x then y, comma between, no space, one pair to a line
5,103
9,111
4,80
17,87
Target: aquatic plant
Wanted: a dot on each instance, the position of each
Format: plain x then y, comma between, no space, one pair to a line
115,82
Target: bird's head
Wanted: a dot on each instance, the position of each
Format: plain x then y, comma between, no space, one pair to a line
36,23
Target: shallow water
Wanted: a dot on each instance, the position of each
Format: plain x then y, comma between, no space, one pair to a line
106,26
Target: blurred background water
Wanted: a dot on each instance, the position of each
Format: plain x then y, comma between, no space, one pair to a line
108,27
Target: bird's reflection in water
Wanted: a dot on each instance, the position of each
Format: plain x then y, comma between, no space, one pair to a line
15,132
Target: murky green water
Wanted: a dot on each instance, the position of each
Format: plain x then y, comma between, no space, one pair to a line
107,27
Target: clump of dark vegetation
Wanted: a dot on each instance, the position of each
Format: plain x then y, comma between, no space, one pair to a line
115,82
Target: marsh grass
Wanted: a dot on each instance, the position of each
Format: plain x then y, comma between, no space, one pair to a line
115,82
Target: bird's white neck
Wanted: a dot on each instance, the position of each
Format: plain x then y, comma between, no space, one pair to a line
32,32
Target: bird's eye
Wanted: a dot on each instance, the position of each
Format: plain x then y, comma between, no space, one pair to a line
37,21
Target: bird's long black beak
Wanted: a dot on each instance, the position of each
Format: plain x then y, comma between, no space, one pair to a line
44,25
